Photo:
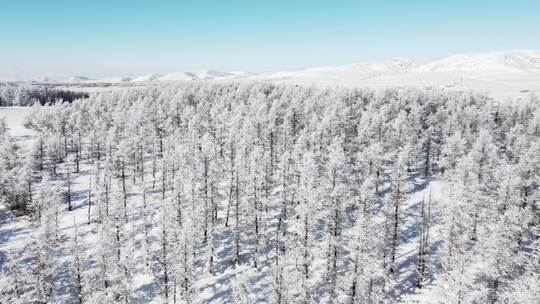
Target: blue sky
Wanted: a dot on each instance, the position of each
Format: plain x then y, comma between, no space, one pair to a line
105,38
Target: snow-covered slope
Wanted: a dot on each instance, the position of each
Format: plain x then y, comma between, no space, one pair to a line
211,74
511,63
149,77
15,117
177,76
77,79
507,62
505,73
501,74
354,71
115,79
184,76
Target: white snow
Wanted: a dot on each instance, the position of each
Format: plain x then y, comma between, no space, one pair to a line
149,77
502,74
77,79
186,76
517,61
115,79
178,76
508,74
15,117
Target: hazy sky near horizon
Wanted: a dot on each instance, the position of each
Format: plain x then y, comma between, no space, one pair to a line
98,38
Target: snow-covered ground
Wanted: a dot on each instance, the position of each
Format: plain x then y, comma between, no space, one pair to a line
14,117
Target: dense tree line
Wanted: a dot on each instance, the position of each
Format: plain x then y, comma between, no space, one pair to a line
306,187
30,95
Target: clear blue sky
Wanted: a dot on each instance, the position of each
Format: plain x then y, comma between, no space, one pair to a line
105,38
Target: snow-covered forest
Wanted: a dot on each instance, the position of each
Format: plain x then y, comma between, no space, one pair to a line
263,193
29,95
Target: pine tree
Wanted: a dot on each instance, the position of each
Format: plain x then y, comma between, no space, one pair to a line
77,265
398,191
423,243
336,201
42,252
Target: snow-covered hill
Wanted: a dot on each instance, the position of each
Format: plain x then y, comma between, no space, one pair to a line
183,76
513,73
212,74
357,71
149,77
505,73
77,79
115,79
507,62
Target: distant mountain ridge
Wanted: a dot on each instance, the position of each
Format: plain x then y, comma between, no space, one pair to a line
175,76
506,61
74,79
502,73
513,61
